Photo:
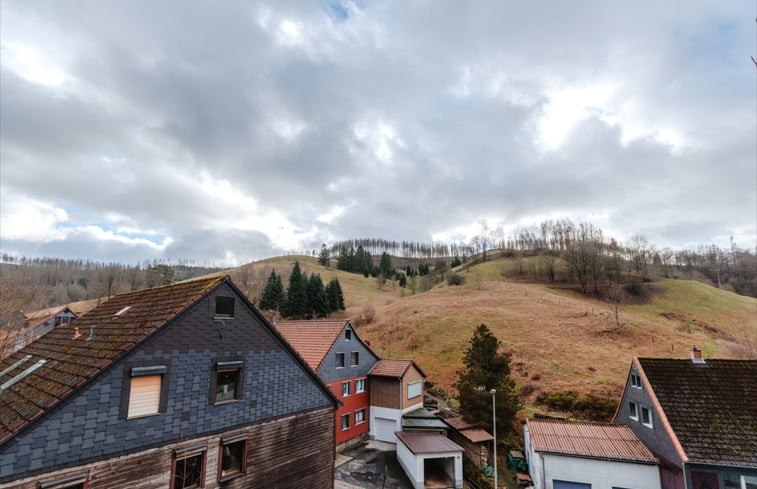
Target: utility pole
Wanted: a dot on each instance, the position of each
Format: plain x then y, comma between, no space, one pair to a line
494,424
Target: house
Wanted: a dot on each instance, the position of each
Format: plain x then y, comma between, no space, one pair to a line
476,442
564,455
697,416
335,352
185,385
396,388
20,328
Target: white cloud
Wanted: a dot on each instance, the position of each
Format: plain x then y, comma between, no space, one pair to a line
32,64
26,219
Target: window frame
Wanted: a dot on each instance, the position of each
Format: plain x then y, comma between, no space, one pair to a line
224,302
128,391
186,454
633,410
635,381
355,355
66,482
649,423
345,417
359,382
419,383
346,387
235,440
222,367
339,359
348,335
362,420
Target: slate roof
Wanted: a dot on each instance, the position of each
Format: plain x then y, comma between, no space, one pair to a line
64,362
419,442
393,368
312,339
604,441
710,407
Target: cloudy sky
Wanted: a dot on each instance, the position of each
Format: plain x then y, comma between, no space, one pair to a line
230,131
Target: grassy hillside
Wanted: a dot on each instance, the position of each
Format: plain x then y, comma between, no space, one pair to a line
560,340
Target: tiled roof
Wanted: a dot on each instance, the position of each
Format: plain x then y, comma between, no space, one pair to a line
459,423
64,362
477,435
312,339
393,368
595,440
710,407
38,317
420,442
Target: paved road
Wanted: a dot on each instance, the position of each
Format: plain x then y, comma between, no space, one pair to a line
372,465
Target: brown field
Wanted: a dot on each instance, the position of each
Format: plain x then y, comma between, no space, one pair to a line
558,339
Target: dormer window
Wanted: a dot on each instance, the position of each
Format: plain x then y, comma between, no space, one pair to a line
224,307
348,334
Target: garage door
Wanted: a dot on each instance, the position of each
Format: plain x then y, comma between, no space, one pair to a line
385,429
570,485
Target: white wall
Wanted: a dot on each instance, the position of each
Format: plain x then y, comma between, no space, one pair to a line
414,465
382,412
601,474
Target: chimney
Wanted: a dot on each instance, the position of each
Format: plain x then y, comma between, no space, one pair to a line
696,355
76,332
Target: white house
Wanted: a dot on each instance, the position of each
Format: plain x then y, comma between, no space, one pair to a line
563,455
396,388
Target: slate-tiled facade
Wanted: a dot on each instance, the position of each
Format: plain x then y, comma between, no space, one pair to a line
90,424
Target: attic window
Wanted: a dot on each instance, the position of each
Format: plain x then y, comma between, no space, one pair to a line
23,374
122,311
348,335
646,417
224,307
636,381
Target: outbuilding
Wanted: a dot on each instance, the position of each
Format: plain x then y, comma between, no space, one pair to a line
430,459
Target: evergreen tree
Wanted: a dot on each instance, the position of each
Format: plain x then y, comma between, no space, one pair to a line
296,304
385,265
273,294
318,303
335,296
486,368
323,258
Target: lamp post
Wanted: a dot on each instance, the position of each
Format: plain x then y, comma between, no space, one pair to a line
493,392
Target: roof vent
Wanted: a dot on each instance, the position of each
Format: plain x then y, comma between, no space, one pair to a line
91,332
696,355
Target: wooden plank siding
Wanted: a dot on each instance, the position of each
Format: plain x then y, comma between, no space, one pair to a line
385,392
412,375
293,451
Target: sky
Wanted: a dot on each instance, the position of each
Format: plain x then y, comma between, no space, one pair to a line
225,132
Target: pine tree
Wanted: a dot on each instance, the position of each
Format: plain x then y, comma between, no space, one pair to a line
334,295
323,258
273,294
296,304
318,303
385,265
486,369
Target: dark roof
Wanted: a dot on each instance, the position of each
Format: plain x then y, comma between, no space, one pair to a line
710,407
59,362
419,442
393,368
604,441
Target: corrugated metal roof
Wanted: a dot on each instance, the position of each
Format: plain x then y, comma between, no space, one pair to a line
419,443
70,361
312,339
596,440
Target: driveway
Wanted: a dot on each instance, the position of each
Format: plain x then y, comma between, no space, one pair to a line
372,465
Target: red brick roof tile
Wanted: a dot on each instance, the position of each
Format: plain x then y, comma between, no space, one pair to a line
312,339
393,368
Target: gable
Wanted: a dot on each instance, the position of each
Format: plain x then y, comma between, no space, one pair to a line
188,349
347,343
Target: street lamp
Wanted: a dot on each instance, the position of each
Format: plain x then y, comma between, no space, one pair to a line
493,392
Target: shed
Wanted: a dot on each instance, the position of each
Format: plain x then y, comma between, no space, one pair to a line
430,459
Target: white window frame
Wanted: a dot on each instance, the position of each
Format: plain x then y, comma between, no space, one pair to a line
336,359
636,380
348,335
346,389
649,424
148,376
357,357
362,416
412,385
359,386
347,418
633,410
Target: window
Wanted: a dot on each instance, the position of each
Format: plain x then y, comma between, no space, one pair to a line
354,358
359,385
635,381
224,307
345,389
227,384
632,413
414,389
345,421
74,482
348,334
233,458
340,360
146,385
646,417
360,416
189,469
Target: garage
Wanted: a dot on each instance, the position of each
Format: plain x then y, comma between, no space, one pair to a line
430,459
385,429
